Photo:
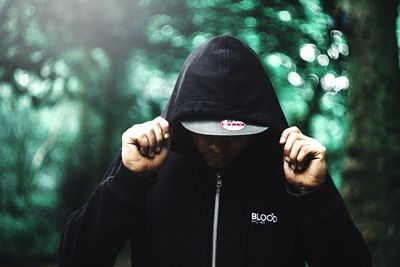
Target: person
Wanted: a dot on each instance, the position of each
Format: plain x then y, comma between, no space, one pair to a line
219,179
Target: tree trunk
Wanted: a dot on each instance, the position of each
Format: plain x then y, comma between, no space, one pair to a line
371,178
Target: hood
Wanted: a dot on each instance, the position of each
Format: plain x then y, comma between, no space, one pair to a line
224,79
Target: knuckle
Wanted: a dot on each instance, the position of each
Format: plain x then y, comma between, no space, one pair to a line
295,134
161,120
285,131
158,118
302,154
298,135
286,149
306,149
150,131
296,129
165,125
143,139
288,131
157,128
297,144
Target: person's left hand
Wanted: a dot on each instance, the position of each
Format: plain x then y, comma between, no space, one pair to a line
304,162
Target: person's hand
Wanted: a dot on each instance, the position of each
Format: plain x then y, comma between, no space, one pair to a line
304,160
145,146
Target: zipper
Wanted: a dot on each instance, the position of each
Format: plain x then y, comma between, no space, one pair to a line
215,222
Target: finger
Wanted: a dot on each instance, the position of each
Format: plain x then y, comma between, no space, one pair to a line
128,140
165,148
294,136
164,126
287,132
289,163
304,156
294,152
142,143
290,174
151,137
312,151
159,136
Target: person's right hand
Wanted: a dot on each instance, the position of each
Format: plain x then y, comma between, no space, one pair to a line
145,146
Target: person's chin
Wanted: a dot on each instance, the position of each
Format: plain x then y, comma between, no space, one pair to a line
217,164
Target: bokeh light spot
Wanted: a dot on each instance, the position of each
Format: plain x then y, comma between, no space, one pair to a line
294,78
177,41
167,30
198,40
250,22
308,52
274,60
198,20
323,60
341,83
328,81
24,79
333,51
284,15
344,49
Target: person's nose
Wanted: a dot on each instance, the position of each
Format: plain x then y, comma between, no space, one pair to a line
217,144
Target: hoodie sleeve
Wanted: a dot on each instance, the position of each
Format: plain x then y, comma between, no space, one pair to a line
94,234
329,235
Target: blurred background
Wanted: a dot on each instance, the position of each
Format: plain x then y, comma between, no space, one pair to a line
74,74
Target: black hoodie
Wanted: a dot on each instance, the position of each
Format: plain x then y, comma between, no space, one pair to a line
170,216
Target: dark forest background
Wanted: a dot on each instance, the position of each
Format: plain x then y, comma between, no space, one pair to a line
74,74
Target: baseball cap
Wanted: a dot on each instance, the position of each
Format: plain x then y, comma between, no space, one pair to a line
222,127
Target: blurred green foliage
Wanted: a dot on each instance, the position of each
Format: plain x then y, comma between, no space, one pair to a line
74,74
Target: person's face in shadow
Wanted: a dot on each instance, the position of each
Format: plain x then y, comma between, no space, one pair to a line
219,151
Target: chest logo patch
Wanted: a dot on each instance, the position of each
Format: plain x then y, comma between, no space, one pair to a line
261,218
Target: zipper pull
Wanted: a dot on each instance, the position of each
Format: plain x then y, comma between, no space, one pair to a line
219,179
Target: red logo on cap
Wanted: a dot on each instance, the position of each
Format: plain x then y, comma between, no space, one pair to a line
232,125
